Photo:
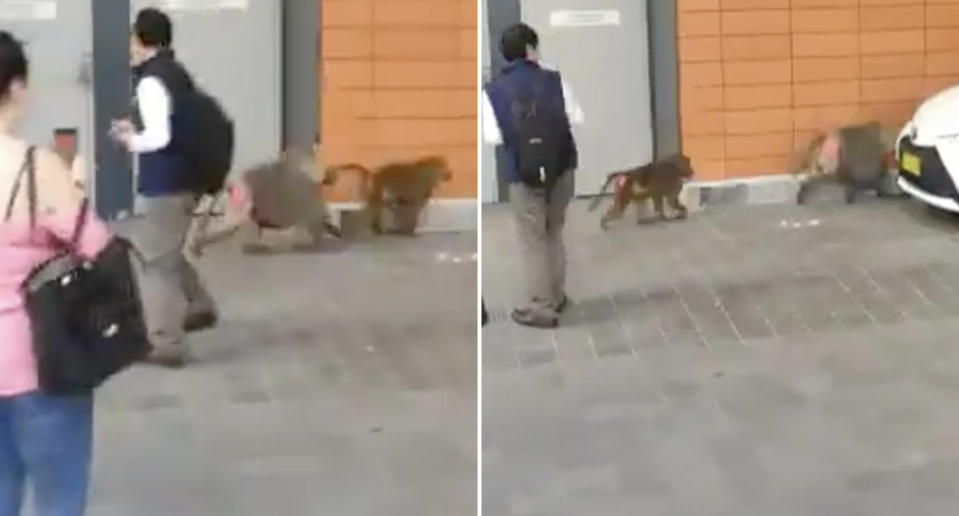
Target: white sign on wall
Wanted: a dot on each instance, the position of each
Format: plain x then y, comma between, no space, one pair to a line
28,9
585,18
202,5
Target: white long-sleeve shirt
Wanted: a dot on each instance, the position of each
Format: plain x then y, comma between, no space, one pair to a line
154,103
492,133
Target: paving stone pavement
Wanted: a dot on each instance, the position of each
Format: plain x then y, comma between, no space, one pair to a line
753,360
336,384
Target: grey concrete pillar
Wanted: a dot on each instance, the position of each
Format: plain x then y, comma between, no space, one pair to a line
111,100
300,82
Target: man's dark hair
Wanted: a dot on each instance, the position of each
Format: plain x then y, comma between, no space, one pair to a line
153,28
515,41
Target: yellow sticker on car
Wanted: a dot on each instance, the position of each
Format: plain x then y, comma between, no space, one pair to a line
910,163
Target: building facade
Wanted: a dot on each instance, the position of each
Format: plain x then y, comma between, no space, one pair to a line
740,85
377,80
759,77
397,82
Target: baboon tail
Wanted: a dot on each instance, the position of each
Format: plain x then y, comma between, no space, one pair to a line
332,174
602,191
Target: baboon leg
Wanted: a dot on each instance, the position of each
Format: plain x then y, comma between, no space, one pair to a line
405,216
615,212
316,231
376,218
660,206
609,216
681,210
802,193
855,187
854,191
879,185
638,200
317,224
414,220
811,184
253,243
326,219
332,230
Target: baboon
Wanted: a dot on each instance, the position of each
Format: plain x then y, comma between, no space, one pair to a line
662,181
278,195
852,156
403,188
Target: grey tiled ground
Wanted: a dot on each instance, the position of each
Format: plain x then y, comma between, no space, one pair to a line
340,384
753,360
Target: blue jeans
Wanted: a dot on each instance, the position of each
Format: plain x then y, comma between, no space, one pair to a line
46,441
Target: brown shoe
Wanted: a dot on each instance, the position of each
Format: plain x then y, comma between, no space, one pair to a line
525,317
559,308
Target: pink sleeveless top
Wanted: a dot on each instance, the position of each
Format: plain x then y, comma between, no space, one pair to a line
19,255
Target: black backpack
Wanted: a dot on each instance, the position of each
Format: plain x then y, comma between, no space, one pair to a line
206,140
541,136
203,132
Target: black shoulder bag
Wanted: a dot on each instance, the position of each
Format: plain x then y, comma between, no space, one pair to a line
86,316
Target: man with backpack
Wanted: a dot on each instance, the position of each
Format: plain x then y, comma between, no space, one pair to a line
528,109
184,145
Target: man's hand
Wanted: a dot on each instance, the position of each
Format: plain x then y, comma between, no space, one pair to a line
122,131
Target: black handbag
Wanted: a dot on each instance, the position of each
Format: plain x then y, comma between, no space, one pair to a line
86,316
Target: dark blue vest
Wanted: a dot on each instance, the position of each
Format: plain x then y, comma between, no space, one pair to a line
165,171
519,76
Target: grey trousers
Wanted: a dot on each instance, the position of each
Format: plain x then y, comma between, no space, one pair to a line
170,286
539,224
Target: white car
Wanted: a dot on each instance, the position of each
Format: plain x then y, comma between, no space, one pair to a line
927,151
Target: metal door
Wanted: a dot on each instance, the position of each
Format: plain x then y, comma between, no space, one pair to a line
602,51
57,35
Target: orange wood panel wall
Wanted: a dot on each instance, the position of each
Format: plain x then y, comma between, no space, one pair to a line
759,77
399,81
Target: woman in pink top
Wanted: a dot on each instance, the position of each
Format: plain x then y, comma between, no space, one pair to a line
44,440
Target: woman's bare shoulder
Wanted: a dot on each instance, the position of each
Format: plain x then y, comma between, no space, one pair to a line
13,151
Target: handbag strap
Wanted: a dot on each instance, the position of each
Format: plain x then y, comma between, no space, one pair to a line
30,170
80,225
32,188
26,168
